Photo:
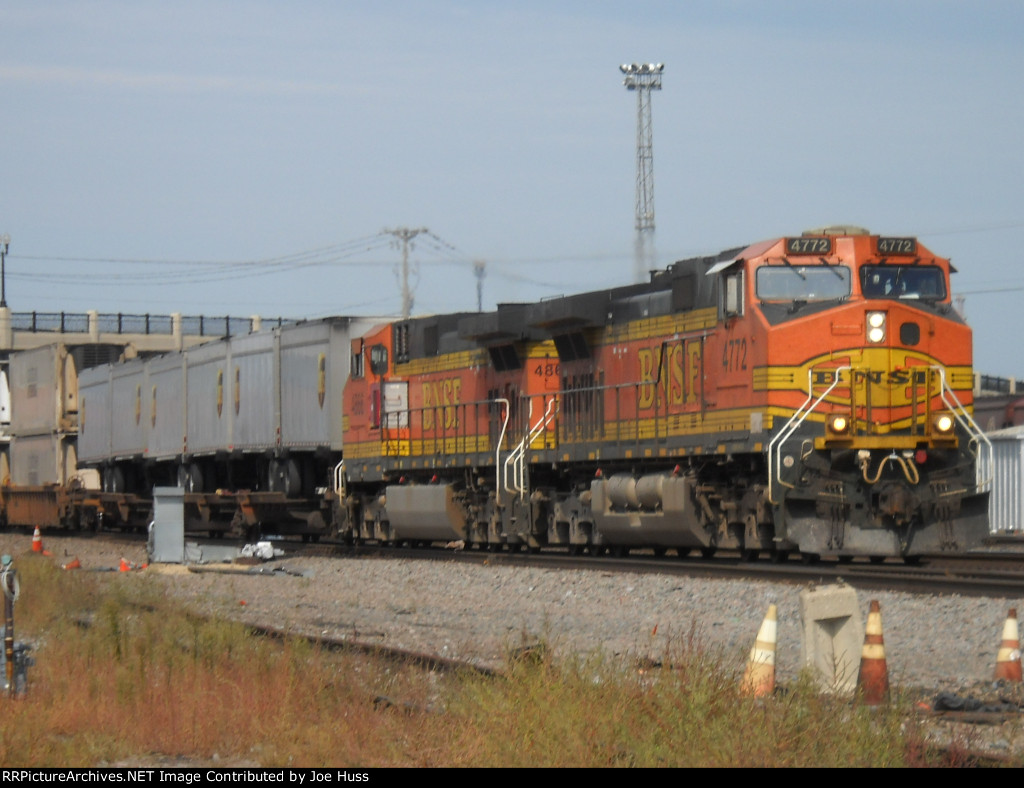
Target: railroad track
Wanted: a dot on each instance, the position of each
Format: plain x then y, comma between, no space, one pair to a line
998,572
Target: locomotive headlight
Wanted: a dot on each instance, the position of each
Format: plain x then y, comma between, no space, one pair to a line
876,327
942,423
838,424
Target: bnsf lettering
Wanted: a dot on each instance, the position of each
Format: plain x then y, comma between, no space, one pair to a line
677,382
892,377
438,394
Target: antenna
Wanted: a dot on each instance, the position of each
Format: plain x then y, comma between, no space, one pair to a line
643,78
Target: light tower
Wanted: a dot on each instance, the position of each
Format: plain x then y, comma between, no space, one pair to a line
643,78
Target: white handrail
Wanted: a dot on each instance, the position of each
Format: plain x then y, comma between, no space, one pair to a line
497,450
984,451
798,418
339,478
517,457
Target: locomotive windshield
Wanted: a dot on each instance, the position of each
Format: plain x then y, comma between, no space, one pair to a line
903,281
803,282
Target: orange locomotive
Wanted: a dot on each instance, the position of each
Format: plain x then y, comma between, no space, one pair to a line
811,393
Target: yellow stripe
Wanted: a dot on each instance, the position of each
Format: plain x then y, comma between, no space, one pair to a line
663,327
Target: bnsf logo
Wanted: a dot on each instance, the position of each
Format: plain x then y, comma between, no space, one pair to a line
440,398
891,377
669,373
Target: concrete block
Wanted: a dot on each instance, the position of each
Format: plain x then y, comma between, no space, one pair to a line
167,531
833,637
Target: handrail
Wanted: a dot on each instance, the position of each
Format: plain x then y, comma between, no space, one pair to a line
517,457
497,450
798,418
983,450
339,478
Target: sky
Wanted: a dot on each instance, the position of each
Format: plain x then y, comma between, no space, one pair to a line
219,157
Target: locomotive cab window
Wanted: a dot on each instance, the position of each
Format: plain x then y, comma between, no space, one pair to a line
803,282
378,359
923,282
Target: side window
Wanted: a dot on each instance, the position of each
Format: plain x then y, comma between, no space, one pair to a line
401,343
732,294
358,365
378,359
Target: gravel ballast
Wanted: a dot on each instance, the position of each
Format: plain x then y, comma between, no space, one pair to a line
479,613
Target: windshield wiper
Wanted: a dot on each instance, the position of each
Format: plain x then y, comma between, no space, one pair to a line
828,265
793,269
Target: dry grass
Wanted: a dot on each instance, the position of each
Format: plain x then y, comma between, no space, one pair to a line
122,677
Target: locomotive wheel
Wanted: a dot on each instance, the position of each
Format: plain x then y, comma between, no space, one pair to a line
780,556
912,560
810,558
575,549
749,555
682,552
845,559
708,552
659,552
620,551
876,559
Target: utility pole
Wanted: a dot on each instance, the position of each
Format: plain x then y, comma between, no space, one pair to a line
405,235
5,241
643,78
479,269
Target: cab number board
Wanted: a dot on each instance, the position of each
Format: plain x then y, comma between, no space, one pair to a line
809,245
897,246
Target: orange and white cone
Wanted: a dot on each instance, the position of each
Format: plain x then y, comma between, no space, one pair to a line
74,564
37,541
873,681
125,566
759,677
1008,659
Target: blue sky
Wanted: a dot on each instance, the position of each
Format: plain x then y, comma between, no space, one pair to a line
245,158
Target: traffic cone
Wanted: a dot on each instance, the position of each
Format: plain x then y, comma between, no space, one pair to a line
873,681
75,564
1008,658
124,566
37,541
759,677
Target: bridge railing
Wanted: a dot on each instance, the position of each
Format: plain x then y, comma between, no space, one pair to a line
120,323
992,385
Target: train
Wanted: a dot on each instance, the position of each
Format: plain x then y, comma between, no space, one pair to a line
809,394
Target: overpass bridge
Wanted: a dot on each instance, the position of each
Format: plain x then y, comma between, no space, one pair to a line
135,334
